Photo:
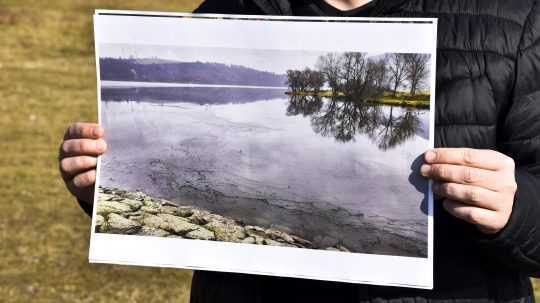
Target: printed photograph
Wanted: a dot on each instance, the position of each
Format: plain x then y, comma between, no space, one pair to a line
307,149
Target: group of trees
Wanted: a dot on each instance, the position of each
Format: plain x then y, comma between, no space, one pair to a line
407,67
305,80
354,74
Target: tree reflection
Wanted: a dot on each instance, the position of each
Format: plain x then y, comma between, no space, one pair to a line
396,129
344,119
304,105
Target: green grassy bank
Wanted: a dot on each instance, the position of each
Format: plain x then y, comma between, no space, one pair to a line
401,99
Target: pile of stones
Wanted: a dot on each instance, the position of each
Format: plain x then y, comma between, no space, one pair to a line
134,213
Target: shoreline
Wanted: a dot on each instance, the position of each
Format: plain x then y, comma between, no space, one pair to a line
384,100
135,213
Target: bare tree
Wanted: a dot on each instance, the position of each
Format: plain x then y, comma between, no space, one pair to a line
377,77
417,70
315,79
293,80
397,66
329,65
305,80
353,72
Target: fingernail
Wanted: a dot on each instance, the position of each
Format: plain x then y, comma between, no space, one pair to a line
100,145
96,131
424,169
430,156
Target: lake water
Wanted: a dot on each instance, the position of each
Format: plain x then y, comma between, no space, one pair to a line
332,171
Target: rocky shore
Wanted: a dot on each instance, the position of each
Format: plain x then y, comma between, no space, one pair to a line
135,213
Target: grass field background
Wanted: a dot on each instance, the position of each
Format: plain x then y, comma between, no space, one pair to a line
47,80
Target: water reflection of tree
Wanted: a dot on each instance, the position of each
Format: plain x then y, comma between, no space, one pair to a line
304,105
344,119
395,130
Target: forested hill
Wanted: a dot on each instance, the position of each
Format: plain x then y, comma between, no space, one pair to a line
150,70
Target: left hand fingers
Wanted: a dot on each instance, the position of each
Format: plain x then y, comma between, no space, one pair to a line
469,194
462,175
488,221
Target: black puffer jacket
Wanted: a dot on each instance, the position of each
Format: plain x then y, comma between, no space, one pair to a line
488,96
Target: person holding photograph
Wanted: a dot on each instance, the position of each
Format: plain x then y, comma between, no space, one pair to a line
485,167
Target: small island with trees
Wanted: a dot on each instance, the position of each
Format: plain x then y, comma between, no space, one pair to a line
389,79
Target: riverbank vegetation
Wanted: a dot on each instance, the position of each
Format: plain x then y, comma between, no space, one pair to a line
400,99
391,79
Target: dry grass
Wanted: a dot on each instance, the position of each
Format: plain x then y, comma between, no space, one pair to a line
47,80
536,284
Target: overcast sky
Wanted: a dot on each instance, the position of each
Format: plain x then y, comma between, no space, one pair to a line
276,61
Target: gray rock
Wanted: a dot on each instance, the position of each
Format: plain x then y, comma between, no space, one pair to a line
134,204
274,243
177,225
259,240
249,240
302,242
106,207
99,220
136,217
153,221
136,213
150,202
155,232
106,197
175,210
199,217
120,225
279,236
139,196
255,231
184,211
101,224
150,210
227,232
201,234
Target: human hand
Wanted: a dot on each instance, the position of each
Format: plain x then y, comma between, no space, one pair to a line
477,186
82,143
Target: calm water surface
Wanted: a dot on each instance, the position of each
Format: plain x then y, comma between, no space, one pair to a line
330,170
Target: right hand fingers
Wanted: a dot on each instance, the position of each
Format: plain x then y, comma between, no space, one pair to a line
82,147
72,166
81,130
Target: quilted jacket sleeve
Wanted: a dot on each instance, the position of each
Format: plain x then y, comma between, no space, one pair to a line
217,7
239,7
518,244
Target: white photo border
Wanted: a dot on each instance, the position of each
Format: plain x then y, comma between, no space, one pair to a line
270,260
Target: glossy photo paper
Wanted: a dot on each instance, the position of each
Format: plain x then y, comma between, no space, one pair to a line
266,145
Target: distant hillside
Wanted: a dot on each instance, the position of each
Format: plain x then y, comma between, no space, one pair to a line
152,70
